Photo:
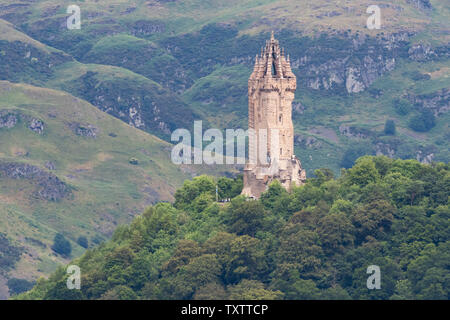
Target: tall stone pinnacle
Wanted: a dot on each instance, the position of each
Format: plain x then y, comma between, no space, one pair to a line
271,89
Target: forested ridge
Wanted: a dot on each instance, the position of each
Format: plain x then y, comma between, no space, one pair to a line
315,242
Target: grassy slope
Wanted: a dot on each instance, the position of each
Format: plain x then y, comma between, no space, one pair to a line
107,189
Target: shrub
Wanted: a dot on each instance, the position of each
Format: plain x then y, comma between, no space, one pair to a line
389,127
17,286
83,241
61,245
402,107
353,153
423,122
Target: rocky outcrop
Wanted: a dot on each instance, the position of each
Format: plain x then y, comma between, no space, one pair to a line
49,186
352,65
421,4
421,52
298,107
384,149
50,165
307,141
354,132
438,102
426,158
8,120
146,27
88,131
37,126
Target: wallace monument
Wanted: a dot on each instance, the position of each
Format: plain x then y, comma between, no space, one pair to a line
271,89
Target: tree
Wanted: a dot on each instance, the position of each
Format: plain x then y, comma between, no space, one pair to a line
17,286
253,290
336,232
402,107
305,290
270,197
83,241
192,189
363,172
389,127
61,245
373,219
230,188
211,291
423,122
119,293
246,217
353,153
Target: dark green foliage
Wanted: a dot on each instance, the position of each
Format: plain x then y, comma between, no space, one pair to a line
389,127
423,122
402,107
353,153
9,254
17,286
20,62
229,188
315,242
83,241
61,245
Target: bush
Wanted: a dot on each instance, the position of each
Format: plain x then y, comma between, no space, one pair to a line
353,153
423,122
402,107
83,241
17,286
134,161
61,245
389,127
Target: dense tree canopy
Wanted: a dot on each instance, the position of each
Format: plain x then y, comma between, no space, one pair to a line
314,242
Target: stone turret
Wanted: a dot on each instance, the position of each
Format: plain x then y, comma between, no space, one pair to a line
271,88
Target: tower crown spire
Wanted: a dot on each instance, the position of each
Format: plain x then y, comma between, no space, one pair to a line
272,62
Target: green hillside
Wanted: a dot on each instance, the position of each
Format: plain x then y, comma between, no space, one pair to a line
67,167
313,243
176,61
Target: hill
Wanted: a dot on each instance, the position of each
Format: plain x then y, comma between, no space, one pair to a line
67,167
313,243
197,57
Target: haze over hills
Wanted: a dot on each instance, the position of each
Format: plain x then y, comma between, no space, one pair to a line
159,65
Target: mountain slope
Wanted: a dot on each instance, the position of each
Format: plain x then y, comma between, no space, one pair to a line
351,80
67,167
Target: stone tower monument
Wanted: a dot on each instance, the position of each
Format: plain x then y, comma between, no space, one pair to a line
271,89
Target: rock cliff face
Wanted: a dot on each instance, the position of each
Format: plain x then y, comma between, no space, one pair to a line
49,186
438,102
351,65
8,120
421,4
37,126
